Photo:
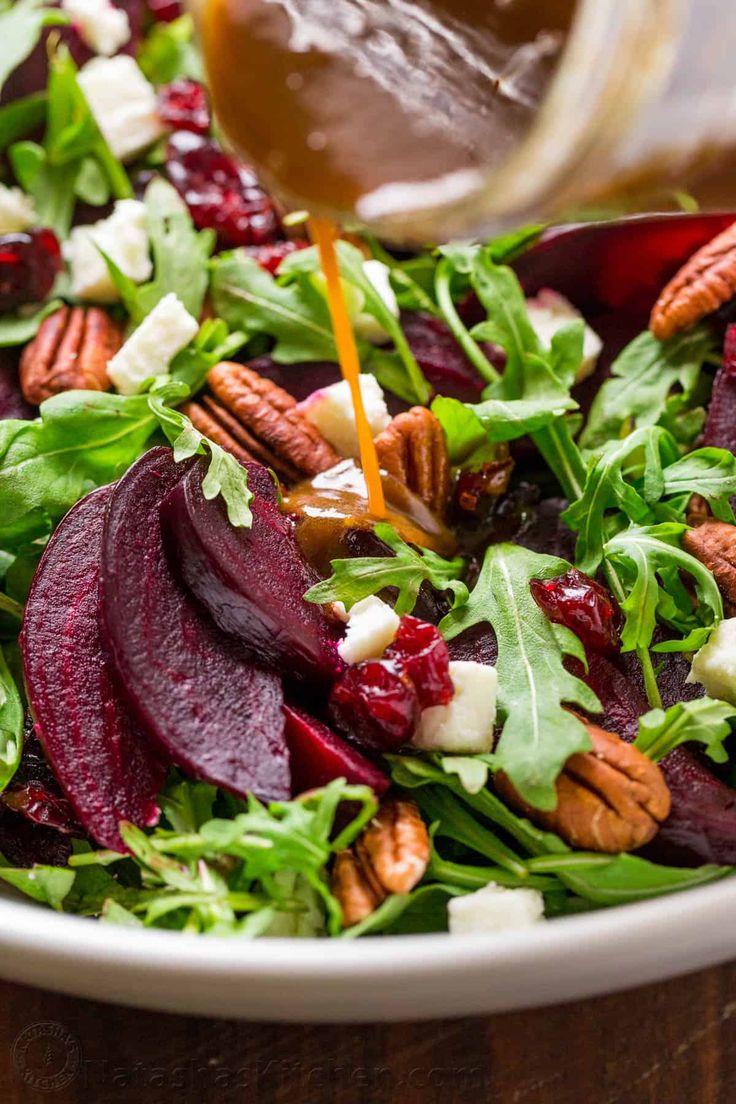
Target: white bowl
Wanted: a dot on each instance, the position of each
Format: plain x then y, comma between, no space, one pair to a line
402,977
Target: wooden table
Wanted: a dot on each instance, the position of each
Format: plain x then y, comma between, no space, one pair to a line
666,1044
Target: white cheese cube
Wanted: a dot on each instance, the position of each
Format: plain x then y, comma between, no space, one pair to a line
495,909
150,349
17,211
714,666
103,27
465,725
123,237
123,104
550,312
331,410
372,626
365,325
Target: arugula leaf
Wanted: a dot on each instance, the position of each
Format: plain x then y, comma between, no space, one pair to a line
650,559
538,734
20,30
11,725
709,472
180,257
704,721
296,316
169,52
406,570
508,322
17,329
49,173
48,885
212,344
21,117
226,476
642,380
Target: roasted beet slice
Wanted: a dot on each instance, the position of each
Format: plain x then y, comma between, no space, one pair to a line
440,357
720,425
318,756
97,752
205,705
252,581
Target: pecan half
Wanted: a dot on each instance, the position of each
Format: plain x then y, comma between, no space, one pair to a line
390,856
69,352
703,284
609,799
255,419
413,450
714,544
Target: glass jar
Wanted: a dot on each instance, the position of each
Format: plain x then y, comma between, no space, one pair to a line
642,105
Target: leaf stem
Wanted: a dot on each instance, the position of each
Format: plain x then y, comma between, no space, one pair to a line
470,347
563,457
9,605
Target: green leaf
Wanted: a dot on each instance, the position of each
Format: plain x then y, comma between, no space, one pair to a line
180,257
296,316
11,725
710,472
226,476
17,329
20,30
508,322
645,555
168,52
358,578
21,117
642,380
538,734
48,885
703,721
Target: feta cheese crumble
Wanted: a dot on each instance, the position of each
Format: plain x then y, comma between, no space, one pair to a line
17,211
714,666
372,626
150,349
103,27
465,725
550,312
123,237
495,909
123,103
331,410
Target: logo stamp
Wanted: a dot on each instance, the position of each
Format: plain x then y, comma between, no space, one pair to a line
46,1056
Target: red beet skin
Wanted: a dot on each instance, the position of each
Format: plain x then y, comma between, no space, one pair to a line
205,706
97,752
252,581
720,426
318,756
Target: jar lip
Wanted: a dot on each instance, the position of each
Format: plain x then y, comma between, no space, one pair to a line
588,108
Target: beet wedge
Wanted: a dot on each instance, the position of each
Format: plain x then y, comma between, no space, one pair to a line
98,753
252,581
204,704
318,756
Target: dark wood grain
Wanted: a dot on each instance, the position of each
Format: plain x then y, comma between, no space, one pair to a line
667,1044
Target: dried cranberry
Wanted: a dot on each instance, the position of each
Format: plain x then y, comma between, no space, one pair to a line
29,265
271,256
375,704
491,480
583,605
182,105
165,11
221,193
420,649
34,792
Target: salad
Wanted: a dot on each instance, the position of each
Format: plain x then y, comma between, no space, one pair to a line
232,702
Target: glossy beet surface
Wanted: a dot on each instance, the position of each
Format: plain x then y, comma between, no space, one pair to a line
97,752
375,704
252,581
221,192
318,756
204,704
440,357
420,649
582,605
12,403
29,265
270,256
